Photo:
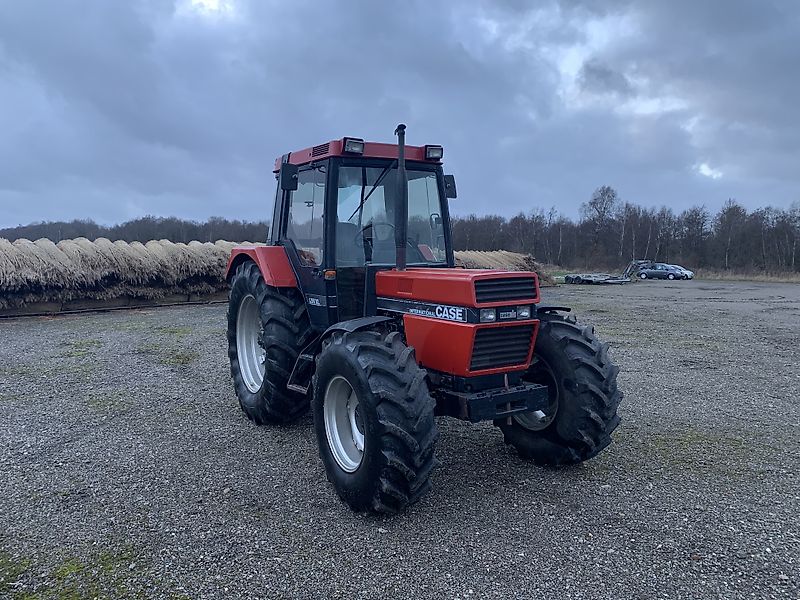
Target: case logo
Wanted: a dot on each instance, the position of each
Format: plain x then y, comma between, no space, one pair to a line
451,313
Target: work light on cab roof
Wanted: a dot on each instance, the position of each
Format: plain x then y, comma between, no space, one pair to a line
355,307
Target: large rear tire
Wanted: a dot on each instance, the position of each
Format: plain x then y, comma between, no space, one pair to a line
584,398
374,421
267,329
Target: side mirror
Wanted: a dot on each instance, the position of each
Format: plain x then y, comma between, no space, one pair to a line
449,186
289,177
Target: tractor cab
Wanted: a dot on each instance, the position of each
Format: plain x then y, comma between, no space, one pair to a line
338,211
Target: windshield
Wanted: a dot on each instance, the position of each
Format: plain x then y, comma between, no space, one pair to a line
365,227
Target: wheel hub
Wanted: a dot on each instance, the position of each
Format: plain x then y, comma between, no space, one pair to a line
344,425
250,352
537,420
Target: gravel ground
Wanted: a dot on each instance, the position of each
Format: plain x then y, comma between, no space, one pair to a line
127,469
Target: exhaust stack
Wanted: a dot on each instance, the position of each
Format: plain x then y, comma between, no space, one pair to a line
401,205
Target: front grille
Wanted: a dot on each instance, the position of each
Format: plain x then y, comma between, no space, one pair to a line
501,346
320,150
499,290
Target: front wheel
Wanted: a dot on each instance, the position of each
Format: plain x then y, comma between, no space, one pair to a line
374,422
670,276
582,412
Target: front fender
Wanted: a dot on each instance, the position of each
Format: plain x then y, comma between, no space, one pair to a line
300,378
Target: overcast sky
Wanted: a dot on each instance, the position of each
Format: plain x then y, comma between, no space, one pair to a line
115,109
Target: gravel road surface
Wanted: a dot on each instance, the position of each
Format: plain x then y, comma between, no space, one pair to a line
128,471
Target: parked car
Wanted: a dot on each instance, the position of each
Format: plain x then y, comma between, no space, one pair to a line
660,271
687,274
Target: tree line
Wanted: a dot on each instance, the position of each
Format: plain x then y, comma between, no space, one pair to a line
608,234
144,229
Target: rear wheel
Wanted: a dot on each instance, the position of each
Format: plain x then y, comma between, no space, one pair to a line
374,422
670,276
267,329
642,275
583,400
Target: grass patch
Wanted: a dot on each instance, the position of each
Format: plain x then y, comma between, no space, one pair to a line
698,343
79,371
107,400
175,331
12,568
701,452
168,355
21,370
81,348
67,569
101,575
133,326
180,358
149,348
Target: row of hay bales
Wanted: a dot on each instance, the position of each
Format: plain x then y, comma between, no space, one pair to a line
80,270
73,274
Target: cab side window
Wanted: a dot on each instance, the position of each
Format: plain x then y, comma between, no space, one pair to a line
305,221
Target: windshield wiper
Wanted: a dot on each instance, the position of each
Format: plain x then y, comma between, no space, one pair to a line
374,187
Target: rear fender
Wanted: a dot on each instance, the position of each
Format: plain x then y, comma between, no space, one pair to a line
272,261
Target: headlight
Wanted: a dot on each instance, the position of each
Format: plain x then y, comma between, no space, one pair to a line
488,315
523,312
433,152
354,145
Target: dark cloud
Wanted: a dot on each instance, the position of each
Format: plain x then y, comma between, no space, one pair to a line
113,110
595,77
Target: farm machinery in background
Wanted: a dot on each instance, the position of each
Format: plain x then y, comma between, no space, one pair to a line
355,308
636,269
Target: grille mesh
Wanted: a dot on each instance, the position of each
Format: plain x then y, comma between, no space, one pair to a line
498,290
501,346
320,150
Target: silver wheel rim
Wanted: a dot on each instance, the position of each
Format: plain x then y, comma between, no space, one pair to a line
344,426
251,355
536,420
643,276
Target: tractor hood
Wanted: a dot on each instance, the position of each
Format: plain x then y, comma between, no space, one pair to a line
459,287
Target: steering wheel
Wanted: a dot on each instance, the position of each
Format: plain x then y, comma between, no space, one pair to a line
359,237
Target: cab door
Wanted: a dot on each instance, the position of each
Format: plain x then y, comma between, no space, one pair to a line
303,235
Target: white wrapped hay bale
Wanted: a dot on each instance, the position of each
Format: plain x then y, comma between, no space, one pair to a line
12,276
169,258
40,268
210,257
141,266
87,260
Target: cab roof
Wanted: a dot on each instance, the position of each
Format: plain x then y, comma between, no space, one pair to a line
336,148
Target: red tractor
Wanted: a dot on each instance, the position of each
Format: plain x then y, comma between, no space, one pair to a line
355,307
